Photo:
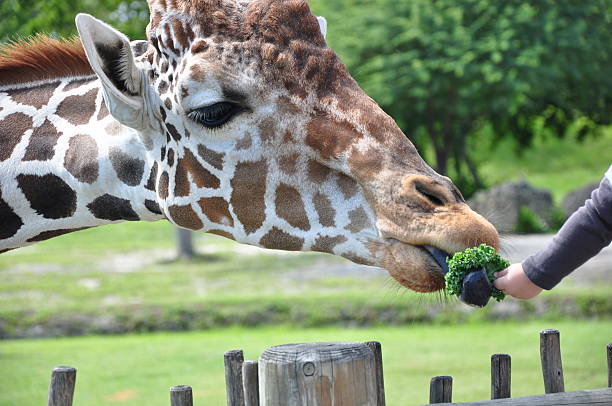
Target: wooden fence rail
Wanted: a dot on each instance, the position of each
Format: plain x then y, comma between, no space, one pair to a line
351,374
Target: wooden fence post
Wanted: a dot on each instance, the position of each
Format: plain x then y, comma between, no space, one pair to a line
441,389
250,383
61,388
181,396
380,377
550,355
317,374
609,348
500,376
233,377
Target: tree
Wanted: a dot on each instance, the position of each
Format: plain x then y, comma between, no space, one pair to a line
184,243
56,17
444,69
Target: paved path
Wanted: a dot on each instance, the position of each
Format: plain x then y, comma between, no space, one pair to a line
517,247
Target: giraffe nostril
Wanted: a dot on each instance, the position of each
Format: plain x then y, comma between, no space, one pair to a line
430,195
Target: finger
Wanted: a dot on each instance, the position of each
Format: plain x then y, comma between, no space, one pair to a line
501,273
501,283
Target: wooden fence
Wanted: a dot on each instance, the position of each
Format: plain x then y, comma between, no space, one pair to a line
351,374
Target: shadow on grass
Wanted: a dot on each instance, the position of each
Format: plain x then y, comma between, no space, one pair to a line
196,259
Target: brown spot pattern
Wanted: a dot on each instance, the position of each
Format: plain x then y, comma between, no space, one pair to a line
214,159
42,143
184,216
367,164
11,222
317,172
201,176
248,190
329,138
152,177
222,233
36,97
280,240
162,187
81,159
129,170
290,207
359,220
199,46
216,209
77,110
324,243
287,163
325,210
76,84
347,185
244,142
49,195
103,111
267,128
12,128
45,235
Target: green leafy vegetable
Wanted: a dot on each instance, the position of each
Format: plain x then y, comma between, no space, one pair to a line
462,262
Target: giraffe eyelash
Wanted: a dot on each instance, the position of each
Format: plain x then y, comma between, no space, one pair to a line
215,115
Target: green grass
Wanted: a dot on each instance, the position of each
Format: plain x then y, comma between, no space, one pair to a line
121,278
117,265
139,369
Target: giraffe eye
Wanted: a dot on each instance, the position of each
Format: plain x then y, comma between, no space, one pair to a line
215,115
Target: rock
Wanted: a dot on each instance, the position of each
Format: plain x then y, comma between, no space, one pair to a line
576,198
501,204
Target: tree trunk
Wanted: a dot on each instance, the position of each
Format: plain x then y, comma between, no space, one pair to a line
441,159
184,243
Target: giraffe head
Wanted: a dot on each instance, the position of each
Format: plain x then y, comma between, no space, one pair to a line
258,133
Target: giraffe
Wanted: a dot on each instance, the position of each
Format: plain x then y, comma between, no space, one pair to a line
233,117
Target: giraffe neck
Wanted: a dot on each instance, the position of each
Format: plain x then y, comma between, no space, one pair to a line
66,164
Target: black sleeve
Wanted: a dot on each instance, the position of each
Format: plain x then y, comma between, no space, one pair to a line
583,235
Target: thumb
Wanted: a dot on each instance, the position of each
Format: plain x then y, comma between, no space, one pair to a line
501,283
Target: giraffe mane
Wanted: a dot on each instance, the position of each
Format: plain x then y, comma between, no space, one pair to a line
41,57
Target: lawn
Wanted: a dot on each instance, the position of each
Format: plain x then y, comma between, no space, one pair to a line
139,369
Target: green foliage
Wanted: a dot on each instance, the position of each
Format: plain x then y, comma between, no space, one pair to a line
56,17
462,262
529,222
445,69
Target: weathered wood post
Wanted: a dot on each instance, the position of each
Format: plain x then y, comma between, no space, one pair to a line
250,383
441,389
550,355
61,388
609,348
233,377
181,396
318,374
380,376
500,376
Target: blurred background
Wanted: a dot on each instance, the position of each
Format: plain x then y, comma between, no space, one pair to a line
511,99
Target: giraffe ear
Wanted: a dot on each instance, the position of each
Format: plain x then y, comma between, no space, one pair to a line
323,26
110,55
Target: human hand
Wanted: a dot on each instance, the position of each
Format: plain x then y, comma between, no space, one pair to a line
513,281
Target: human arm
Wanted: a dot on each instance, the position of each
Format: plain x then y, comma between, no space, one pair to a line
583,235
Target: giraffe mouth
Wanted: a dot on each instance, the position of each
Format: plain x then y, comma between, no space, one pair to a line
439,256
413,266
